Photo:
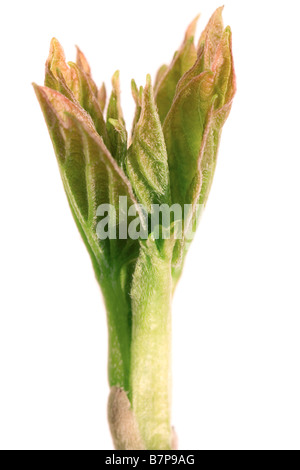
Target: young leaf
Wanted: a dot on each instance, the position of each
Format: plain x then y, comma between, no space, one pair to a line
223,91
183,130
167,81
211,36
90,174
88,99
207,47
56,71
146,162
58,75
115,122
75,82
137,96
101,95
171,159
68,148
222,66
121,141
83,65
225,88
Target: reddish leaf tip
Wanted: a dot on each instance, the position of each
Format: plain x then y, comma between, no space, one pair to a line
82,62
190,32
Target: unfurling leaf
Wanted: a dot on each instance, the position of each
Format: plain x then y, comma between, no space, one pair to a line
189,114
211,36
102,97
115,122
58,75
137,95
90,174
147,162
168,78
116,188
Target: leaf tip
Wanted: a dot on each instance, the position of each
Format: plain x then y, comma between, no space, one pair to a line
190,32
148,80
134,90
115,80
82,62
38,90
56,58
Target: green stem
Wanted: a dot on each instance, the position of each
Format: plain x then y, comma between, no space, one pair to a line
139,327
150,373
119,333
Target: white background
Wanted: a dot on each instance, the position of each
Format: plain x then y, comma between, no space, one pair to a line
237,308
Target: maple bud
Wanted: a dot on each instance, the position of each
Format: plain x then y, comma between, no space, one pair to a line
167,162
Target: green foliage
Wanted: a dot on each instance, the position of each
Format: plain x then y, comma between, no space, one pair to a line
147,160
170,158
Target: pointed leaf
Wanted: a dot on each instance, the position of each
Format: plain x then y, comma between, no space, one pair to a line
102,97
182,61
58,75
89,172
183,130
223,67
89,101
68,148
222,90
114,113
209,43
74,82
106,183
225,88
137,96
211,36
55,63
121,148
83,65
146,163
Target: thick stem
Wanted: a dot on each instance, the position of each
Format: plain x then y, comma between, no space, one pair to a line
139,408
150,372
